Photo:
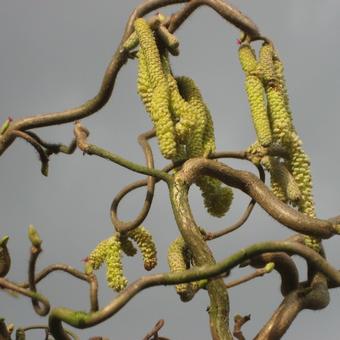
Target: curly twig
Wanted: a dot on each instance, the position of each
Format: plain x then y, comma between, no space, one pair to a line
81,134
252,186
91,279
120,225
84,320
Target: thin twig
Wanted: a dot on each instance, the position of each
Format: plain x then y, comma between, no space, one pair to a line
239,322
81,134
42,154
34,254
85,320
54,148
122,226
91,279
257,273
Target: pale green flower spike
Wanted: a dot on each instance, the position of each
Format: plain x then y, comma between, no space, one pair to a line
182,112
108,252
114,268
258,108
282,178
217,199
98,255
158,105
179,260
247,58
279,115
144,87
191,93
146,245
266,63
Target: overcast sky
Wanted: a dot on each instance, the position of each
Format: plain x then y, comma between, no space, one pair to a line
53,56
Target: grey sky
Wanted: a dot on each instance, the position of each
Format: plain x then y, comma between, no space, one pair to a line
53,56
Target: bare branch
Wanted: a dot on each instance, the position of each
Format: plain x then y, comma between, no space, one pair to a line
120,225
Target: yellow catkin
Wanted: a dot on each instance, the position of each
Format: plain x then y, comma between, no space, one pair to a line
266,63
217,198
109,252
182,112
279,115
191,93
146,245
258,108
158,106
247,58
284,185
179,260
144,87
114,268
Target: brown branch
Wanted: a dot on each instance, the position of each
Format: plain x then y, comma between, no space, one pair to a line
119,58
258,273
153,334
42,154
6,284
54,148
225,10
120,225
242,220
91,279
314,297
252,186
239,322
284,265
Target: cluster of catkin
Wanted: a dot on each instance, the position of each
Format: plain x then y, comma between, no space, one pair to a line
180,259
110,251
182,121
266,89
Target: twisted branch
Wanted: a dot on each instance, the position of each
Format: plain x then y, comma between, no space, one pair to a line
120,225
84,320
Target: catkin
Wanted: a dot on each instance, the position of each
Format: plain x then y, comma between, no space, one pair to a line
109,252
146,245
153,81
258,108
179,260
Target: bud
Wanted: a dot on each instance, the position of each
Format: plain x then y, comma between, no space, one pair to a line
34,236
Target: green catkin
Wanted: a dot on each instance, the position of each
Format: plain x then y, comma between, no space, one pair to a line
114,268
283,183
266,63
179,260
247,58
146,245
160,100
279,115
217,199
182,112
109,252
144,87
258,108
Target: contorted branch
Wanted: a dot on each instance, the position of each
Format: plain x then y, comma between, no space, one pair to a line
314,297
122,226
252,186
81,134
119,58
84,320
